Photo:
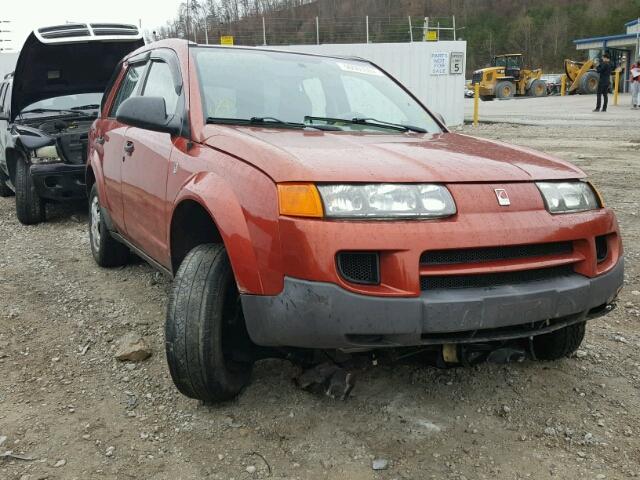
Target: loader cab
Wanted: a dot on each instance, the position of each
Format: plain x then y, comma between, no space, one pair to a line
512,64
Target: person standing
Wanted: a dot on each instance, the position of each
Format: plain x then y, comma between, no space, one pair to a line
604,69
634,79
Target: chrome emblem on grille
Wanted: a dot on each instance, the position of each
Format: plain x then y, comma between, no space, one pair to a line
503,197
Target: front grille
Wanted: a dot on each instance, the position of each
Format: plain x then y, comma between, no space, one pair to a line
479,255
493,279
359,267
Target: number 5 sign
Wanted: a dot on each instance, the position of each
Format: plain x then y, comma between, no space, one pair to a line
456,63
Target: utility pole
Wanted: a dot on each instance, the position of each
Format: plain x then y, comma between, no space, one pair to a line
317,31
410,29
367,28
264,32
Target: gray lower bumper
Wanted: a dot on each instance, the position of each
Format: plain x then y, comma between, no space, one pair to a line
322,315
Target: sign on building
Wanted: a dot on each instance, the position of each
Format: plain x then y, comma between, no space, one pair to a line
226,40
439,63
456,63
431,35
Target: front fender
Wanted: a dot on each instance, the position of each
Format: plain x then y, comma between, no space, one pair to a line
215,195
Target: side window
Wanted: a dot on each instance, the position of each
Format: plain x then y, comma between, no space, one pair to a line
160,84
127,87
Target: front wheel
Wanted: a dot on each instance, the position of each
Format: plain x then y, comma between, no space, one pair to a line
559,344
106,251
30,208
505,90
209,352
538,88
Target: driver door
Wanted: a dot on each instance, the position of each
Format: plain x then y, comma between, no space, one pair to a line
145,166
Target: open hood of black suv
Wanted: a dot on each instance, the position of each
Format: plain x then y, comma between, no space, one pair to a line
69,60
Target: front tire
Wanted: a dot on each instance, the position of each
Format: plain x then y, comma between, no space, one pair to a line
30,208
538,88
208,348
106,251
505,90
559,344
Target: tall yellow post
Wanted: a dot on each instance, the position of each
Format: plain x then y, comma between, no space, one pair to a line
563,85
476,104
616,86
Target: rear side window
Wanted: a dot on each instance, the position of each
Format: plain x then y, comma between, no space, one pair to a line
128,86
160,84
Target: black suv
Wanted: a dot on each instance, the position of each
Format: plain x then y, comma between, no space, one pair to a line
47,107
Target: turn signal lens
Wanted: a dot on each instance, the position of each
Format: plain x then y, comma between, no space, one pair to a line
299,200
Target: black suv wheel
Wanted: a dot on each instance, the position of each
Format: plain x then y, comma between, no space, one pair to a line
208,348
30,208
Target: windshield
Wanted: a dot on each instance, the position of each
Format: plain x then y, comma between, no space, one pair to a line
81,102
303,89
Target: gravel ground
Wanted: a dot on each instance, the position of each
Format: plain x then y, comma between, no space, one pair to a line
76,412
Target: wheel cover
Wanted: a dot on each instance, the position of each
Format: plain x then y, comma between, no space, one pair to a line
507,91
95,223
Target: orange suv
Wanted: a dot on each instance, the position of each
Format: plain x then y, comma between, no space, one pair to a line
313,202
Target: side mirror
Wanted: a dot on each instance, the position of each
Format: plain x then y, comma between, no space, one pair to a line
148,113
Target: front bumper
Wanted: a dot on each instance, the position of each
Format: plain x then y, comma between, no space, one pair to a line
59,181
323,315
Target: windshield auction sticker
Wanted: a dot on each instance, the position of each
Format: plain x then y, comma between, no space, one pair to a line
359,68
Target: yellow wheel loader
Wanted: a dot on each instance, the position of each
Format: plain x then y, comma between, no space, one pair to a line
582,77
507,77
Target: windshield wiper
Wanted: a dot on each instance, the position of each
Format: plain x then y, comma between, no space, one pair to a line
370,122
270,121
91,106
54,110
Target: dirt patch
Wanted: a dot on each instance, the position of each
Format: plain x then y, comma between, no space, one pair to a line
68,403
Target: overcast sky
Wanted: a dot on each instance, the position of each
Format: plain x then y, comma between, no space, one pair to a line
25,15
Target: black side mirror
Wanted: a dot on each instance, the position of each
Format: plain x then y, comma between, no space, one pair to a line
149,113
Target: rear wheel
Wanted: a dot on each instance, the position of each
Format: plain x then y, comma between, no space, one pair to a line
30,208
209,352
589,83
559,344
505,90
4,190
106,250
538,88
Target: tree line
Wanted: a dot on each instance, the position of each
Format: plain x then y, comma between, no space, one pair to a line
543,30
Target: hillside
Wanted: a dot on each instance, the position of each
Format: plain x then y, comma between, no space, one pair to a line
543,30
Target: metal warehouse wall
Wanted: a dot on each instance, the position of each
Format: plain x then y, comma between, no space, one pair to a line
7,63
424,67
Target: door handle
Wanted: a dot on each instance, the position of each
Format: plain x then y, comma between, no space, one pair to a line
129,147
100,140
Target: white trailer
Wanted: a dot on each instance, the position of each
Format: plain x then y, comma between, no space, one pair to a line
433,71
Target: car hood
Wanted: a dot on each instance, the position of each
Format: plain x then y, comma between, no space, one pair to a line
47,70
294,155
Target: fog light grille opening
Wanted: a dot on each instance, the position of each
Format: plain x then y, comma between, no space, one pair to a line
602,249
359,267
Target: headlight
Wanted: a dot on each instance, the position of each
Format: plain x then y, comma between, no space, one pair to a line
47,154
568,197
386,201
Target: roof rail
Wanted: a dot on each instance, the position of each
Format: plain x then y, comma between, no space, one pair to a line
83,32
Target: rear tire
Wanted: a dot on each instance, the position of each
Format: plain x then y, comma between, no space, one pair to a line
4,190
538,88
589,83
208,348
30,208
106,250
559,344
505,90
